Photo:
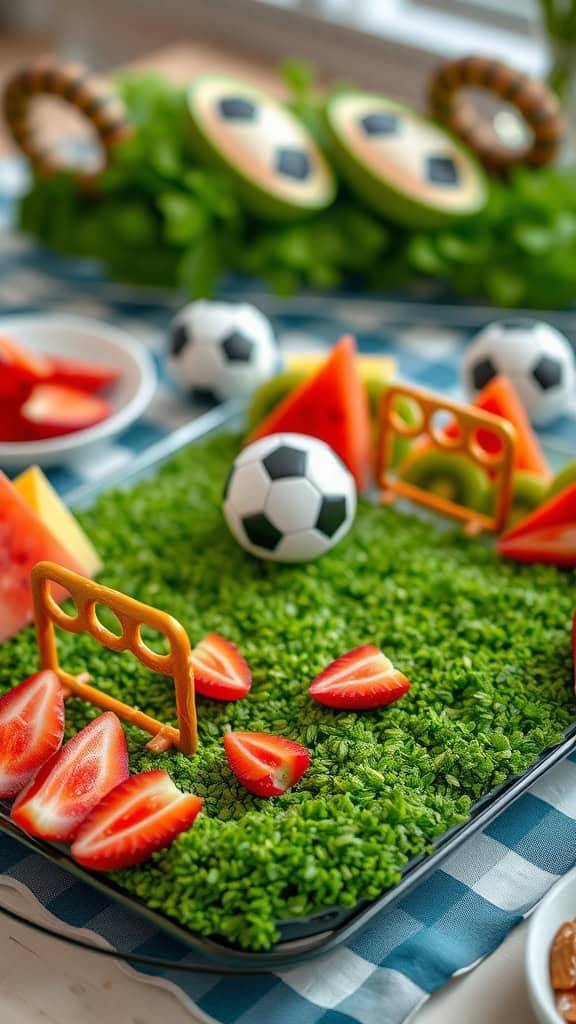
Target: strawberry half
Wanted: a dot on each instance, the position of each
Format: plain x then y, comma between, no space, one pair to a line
12,426
31,729
220,671
73,781
363,678
265,765
89,377
20,370
52,410
142,815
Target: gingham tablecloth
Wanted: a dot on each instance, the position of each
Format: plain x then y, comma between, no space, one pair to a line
462,912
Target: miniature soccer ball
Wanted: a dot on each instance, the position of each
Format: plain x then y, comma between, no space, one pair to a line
289,498
536,358
221,349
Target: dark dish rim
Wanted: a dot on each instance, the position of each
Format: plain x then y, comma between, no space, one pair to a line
301,938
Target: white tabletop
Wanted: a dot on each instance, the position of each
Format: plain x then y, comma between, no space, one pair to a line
43,981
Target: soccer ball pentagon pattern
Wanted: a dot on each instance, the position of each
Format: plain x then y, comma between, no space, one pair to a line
221,349
536,358
289,498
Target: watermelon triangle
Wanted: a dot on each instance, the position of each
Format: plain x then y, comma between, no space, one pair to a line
331,405
546,535
500,398
553,546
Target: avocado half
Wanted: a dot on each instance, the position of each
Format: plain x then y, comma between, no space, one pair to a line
402,164
279,169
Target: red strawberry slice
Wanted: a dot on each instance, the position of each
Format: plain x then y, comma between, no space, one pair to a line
265,765
31,729
220,671
20,370
12,426
140,816
363,678
52,410
89,377
74,780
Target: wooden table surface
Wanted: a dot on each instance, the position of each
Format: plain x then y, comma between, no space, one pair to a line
43,981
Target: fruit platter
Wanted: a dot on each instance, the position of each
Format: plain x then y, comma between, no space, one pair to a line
371,647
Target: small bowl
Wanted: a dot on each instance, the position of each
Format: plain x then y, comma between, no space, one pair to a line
80,338
557,907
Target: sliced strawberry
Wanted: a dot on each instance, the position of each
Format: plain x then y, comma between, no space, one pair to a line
20,370
363,678
220,671
12,426
89,377
74,780
265,765
52,410
31,729
140,816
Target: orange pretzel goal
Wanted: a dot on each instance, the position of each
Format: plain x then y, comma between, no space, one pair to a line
470,422
132,615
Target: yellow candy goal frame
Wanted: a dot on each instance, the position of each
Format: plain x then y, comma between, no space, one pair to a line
132,615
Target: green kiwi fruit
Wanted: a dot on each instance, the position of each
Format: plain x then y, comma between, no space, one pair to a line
562,479
529,490
449,475
269,394
410,414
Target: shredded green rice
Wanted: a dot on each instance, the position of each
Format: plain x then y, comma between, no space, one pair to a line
485,643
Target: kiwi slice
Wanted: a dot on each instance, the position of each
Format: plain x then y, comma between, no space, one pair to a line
562,479
272,391
410,414
528,492
449,475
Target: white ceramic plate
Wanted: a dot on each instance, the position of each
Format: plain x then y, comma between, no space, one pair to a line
96,342
558,906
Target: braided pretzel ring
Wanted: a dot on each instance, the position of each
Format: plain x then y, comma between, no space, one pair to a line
533,100
91,95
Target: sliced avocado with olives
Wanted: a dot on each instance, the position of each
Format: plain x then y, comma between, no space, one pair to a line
279,170
449,475
403,164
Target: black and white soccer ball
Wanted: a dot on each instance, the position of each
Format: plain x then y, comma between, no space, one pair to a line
537,359
289,498
222,349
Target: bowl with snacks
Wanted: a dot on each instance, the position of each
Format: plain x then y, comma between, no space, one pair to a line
550,959
67,384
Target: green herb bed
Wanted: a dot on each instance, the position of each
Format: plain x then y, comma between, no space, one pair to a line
161,218
486,645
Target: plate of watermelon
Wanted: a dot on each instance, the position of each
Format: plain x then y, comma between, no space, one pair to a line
67,384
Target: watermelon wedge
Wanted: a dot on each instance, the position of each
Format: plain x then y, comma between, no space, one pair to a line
547,535
500,398
331,405
24,541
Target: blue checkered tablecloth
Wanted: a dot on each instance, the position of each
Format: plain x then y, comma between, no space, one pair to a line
460,913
